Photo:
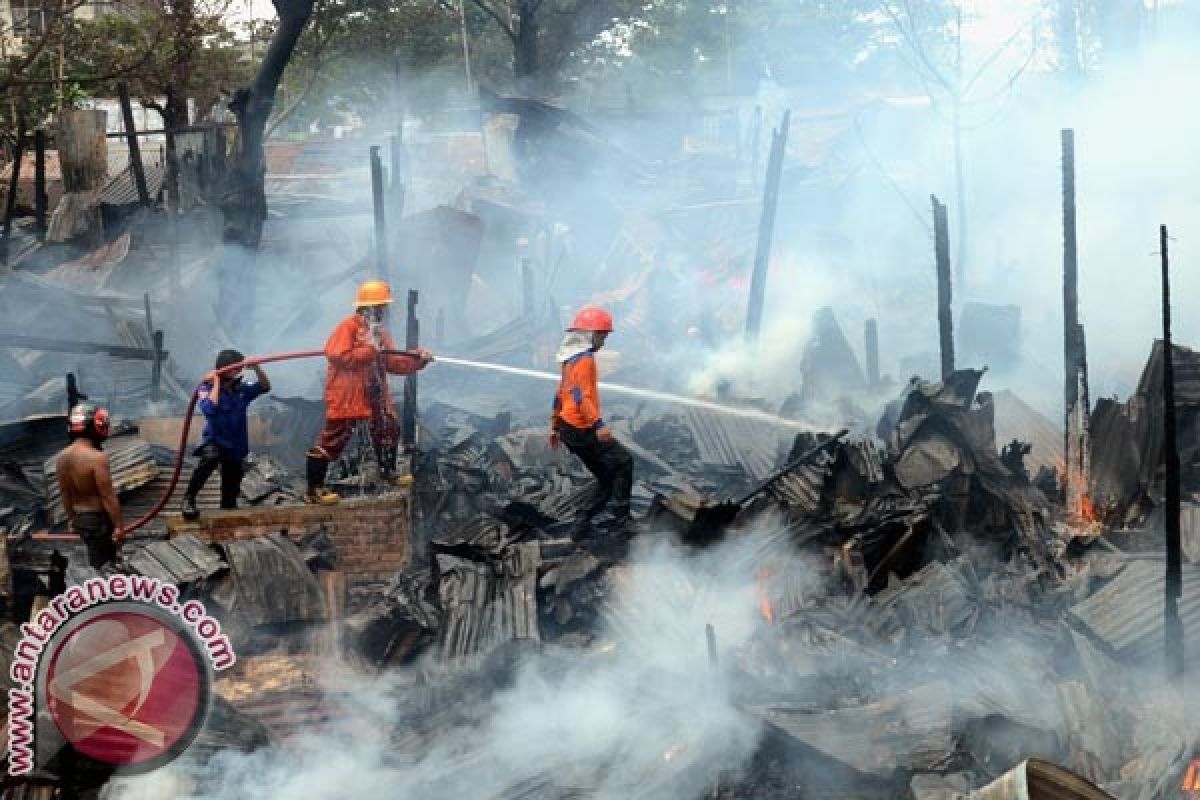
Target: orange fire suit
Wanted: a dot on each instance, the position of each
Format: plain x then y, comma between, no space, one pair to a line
356,387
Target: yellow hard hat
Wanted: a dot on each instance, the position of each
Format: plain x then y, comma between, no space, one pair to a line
373,293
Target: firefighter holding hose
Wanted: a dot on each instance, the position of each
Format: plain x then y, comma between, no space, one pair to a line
356,389
578,424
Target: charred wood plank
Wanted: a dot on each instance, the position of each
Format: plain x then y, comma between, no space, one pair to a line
1173,630
131,140
766,229
941,232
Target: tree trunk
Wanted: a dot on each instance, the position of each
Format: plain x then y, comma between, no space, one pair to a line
525,46
244,201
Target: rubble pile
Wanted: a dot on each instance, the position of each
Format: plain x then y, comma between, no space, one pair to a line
922,621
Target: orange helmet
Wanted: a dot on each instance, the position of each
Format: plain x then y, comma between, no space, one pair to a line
373,293
592,318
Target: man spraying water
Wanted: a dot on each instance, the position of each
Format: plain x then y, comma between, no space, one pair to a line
578,424
361,355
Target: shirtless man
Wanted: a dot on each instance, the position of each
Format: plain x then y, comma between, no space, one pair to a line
86,485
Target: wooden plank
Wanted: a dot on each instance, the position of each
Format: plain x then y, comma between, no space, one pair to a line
49,345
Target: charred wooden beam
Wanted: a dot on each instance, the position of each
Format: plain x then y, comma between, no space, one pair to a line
945,287
131,140
871,333
412,340
1173,625
1070,293
49,345
377,196
40,200
766,229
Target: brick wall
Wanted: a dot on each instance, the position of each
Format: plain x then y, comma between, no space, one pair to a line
372,534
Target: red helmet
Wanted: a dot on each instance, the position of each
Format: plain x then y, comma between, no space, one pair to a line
592,318
86,419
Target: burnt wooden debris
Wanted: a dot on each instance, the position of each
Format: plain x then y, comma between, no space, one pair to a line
1173,631
766,228
945,291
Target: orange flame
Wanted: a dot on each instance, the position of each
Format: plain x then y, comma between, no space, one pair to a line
1087,509
764,597
1191,781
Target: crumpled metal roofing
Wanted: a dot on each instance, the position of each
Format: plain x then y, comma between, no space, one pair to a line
182,560
914,729
731,440
269,583
1127,614
488,602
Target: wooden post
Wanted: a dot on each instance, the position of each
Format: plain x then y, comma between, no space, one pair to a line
945,289
872,350
412,339
131,140
381,248
40,200
766,229
1070,295
156,368
10,205
74,396
1172,625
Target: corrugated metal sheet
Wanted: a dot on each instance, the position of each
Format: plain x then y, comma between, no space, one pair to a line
731,440
182,560
487,603
131,462
1187,374
1040,780
270,583
914,729
121,189
1127,614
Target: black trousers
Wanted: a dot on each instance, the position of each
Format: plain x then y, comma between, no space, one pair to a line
610,463
232,470
96,530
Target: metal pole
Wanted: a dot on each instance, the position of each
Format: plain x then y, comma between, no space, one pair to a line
945,287
766,229
1172,624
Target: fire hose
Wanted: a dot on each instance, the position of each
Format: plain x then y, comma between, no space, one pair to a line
177,470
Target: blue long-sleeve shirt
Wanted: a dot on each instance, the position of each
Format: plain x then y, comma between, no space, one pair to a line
226,424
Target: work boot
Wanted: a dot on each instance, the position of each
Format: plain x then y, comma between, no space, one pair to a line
189,510
317,493
400,481
321,496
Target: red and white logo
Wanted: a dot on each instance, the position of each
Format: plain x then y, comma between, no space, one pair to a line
126,685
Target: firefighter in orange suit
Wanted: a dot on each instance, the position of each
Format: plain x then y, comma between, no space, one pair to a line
578,423
356,389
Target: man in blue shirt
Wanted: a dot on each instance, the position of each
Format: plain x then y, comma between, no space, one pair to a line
223,400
